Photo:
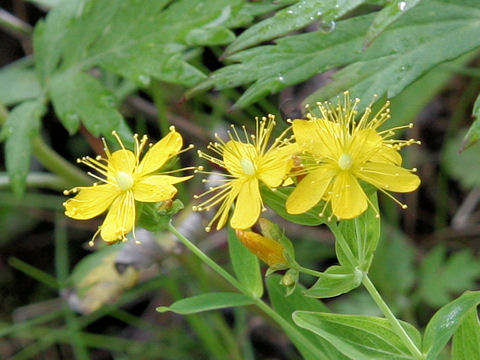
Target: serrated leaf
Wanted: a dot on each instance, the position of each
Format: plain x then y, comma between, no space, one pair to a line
19,130
441,277
292,18
446,321
361,234
466,340
245,265
336,280
387,16
473,134
18,82
359,337
207,302
80,97
276,200
309,345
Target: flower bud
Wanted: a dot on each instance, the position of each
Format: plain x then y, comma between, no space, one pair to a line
268,250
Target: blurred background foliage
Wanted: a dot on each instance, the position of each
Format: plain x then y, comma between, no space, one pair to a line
74,70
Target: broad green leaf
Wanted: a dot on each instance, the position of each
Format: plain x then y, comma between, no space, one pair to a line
309,345
292,18
361,235
19,130
455,162
358,337
387,16
276,200
336,280
441,277
466,340
18,82
207,302
473,134
446,321
80,97
245,265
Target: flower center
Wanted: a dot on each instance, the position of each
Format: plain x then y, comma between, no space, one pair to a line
124,180
247,166
345,162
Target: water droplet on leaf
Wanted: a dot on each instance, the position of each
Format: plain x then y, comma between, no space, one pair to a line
328,26
402,5
144,79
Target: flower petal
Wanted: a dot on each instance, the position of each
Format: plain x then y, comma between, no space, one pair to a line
389,177
156,187
120,218
387,154
248,205
348,198
121,160
309,190
90,201
159,153
276,164
365,143
225,206
233,154
306,135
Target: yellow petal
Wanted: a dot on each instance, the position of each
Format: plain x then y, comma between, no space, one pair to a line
389,177
310,190
364,144
348,198
159,153
239,158
90,201
225,206
275,165
156,187
306,135
387,154
120,160
248,206
120,218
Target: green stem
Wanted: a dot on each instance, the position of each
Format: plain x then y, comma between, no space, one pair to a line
309,271
292,330
396,327
343,243
57,164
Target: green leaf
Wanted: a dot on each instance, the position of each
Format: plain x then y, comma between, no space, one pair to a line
18,82
441,277
80,97
292,18
473,134
397,57
285,306
336,280
361,235
466,340
446,321
358,337
387,16
19,130
276,200
207,302
245,265
455,162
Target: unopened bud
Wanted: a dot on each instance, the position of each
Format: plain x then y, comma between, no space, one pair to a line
267,250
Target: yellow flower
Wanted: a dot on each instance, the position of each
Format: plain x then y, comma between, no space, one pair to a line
248,163
338,151
125,179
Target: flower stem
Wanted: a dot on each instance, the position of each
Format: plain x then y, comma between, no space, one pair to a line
396,327
309,271
343,243
293,332
56,164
